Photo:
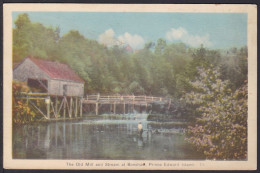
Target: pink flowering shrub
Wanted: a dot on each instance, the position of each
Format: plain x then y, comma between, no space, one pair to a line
220,129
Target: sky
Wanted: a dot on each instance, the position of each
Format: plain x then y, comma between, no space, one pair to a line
213,30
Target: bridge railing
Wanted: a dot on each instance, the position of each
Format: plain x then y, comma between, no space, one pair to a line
142,98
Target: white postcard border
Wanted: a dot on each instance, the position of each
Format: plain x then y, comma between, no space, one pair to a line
250,164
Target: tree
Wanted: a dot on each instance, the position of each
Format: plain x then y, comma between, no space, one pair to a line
160,46
135,88
21,44
149,45
34,39
233,67
220,129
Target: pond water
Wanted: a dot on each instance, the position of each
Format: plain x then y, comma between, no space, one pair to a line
104,139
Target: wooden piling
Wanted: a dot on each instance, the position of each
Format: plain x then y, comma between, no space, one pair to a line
56,107
76,107
80,107
71,102
61,104
48,107
64,107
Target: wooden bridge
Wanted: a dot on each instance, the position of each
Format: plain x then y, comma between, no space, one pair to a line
123,100
67,107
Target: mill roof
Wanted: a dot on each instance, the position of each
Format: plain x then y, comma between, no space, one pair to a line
56,70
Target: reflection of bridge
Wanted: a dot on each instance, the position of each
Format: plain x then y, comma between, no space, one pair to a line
58,106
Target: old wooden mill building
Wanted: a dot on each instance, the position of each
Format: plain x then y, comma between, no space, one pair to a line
61,90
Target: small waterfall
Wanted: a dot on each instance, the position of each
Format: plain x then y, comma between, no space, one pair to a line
141,116
137,116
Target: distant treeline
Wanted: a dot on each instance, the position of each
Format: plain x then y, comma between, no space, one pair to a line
159,69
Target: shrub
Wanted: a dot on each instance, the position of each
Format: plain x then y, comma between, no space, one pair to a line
21,112
220,129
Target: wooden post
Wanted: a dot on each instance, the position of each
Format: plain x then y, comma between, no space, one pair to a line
56,107
76,107
48,106
64,107
81,107
96,108
169,104
97,103
70,113
98,96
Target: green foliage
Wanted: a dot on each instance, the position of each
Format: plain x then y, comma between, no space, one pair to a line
233,66
22,113
135,88
160,46
33,39
159,69
220,129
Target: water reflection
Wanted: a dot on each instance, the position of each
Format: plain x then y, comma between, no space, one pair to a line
100,139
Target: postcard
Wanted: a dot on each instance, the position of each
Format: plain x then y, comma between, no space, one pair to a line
130,86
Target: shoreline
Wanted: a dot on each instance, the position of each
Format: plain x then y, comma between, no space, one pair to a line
156,120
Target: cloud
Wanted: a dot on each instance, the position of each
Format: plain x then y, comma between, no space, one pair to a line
108,38
135,41
182,34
